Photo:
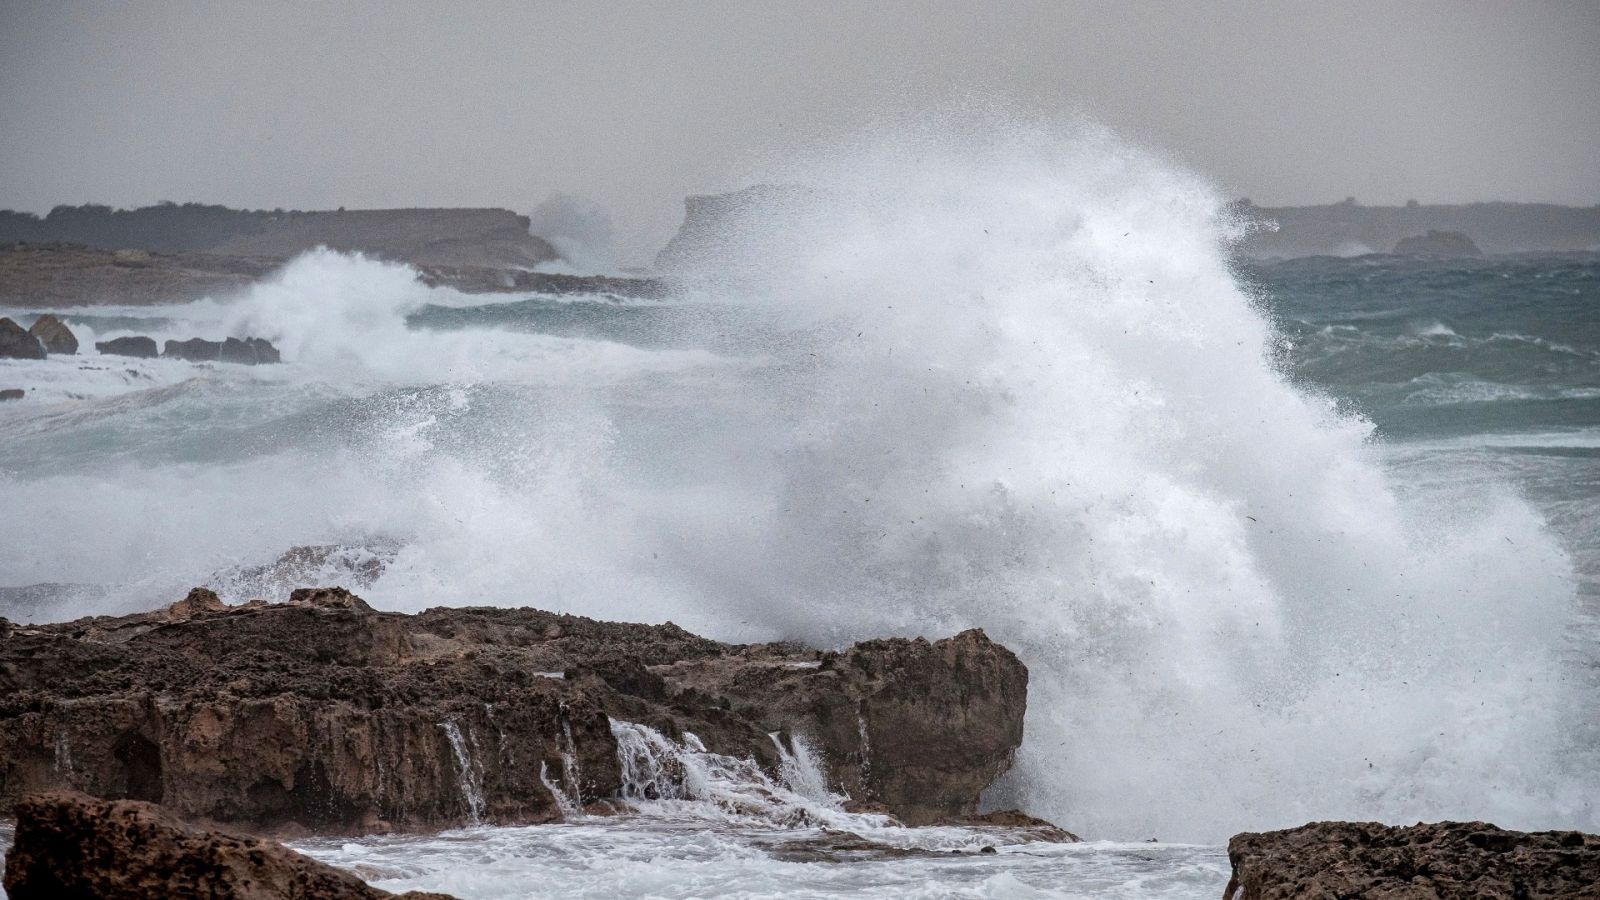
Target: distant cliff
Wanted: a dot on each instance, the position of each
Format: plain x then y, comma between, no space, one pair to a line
1349,229
496,238
711,222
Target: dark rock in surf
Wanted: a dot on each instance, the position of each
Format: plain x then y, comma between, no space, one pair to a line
193,350
249,351
1437,243
17,343
136,345
54,335
1447,860
324,714
12,394
70,845
1015,819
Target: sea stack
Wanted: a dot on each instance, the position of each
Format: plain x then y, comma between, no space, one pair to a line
17,343
55,335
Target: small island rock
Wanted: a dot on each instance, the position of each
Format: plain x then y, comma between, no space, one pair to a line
55,335
17,343
136,345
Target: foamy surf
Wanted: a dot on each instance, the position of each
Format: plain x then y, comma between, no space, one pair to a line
1005,379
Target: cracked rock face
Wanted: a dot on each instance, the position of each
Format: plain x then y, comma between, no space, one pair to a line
1448,860
322,714
69,845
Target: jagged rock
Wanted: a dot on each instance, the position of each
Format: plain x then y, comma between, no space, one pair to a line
1437,243
12,394
17,343
69,845
199,602
249,352
193,350
55,335
898,715
324,714
1441,861
1037,829
136,345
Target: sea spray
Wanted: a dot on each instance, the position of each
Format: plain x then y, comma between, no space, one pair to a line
1000,377
661,776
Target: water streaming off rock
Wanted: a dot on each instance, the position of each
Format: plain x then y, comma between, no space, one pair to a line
1278,543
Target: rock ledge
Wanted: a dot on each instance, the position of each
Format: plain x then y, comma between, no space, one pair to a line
72,846
1440,861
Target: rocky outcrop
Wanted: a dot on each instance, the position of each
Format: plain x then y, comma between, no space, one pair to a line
1441,861
12,394
899,715
17,343
322,713
74,275
135,345
483,280
1350,228
1437,243
714,223
249,352
452,237
54,335
72,846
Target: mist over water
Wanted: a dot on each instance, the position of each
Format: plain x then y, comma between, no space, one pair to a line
1002,378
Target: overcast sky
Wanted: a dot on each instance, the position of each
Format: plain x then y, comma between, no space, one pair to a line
635,105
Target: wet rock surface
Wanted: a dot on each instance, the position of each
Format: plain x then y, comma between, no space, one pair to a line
922,727
1443,860
17,343
54,335
248,351
136,346
322,714
69,845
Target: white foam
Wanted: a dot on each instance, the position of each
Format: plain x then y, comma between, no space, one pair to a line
1000,378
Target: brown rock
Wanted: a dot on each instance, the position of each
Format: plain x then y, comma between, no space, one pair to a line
69,845
199,602
325,714
16,343
134,345
248,352
922,727
1440,861
1015,819
56,336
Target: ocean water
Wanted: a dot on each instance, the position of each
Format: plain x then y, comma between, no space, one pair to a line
1279,542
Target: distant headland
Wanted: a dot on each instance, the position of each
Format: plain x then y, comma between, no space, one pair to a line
487,238
1352,229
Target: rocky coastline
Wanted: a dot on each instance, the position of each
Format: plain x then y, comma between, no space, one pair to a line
156,751
72,845
323,715
1439,861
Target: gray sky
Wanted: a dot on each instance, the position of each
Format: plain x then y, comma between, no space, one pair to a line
391,103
